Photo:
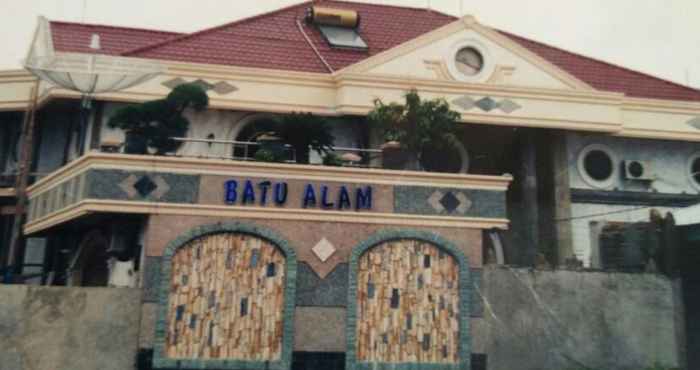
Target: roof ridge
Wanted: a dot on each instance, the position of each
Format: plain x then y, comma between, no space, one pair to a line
211,29
611,64
114,27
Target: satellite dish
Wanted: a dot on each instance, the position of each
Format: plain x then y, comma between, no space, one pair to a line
86,73
92,73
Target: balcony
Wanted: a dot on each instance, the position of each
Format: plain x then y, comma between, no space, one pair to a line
145,184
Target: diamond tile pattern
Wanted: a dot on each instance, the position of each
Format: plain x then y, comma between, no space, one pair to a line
173,83
206,86
323,250
486,104
508,106
223,88
145,186
450,202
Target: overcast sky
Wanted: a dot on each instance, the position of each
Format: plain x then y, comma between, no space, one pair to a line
660,37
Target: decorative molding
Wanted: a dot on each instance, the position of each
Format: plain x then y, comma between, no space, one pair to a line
633,198
486,104
162,362
449,202
90,206
464,285
221,87
439,68
199,166
694,123
500,74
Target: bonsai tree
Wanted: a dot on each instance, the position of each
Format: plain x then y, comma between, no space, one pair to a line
155,123
304,131
418,125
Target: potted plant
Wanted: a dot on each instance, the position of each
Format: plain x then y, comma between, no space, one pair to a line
305,132
413,129
154,123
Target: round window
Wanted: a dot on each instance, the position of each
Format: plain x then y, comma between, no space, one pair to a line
694,170
596,164
469,61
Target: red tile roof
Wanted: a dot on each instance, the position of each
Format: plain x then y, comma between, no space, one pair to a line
606,76
75,37
273,40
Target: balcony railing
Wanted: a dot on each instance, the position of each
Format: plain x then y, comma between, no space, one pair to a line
247,148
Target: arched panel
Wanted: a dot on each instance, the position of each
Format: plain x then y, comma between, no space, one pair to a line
408,303
226,300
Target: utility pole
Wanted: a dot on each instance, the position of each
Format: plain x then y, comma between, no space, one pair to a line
21,182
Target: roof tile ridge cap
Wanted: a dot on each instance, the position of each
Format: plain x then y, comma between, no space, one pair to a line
210,29
611,64
391,6
114,27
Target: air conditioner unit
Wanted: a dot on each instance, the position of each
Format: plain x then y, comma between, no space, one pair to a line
638,170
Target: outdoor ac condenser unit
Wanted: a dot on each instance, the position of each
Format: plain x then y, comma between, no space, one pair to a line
638,170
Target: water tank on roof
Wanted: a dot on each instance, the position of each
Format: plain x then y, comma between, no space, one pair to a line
324,16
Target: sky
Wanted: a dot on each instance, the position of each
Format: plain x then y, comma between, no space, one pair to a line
659,37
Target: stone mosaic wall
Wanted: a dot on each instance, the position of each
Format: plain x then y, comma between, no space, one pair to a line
226,299
407,304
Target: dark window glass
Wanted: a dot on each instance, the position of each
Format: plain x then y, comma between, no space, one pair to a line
598,165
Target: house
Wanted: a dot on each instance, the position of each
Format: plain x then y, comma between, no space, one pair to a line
553,146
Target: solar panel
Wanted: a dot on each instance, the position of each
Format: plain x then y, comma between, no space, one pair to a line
342,37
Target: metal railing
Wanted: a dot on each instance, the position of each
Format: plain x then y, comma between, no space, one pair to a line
246,147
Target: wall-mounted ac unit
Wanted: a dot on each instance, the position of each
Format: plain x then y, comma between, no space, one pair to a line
638,170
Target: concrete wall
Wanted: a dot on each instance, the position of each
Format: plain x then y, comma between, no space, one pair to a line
56,328
543,320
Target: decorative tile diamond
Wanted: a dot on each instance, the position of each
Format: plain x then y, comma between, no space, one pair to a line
223,88
464,102
173,83
145,186
486,104
449,201
464,203
323,250
508,106
128,186
695,123
434,201
206,86
162,187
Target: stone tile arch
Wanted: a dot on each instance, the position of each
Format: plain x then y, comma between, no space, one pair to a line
226,300
408,303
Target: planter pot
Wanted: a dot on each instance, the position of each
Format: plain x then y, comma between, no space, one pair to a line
394,158
135,143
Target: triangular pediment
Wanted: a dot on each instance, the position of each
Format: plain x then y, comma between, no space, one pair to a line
432,56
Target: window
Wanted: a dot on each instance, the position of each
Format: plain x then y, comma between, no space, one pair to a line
694,170
342,37
597,166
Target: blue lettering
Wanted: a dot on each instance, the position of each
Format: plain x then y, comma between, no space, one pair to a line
324,197
248,193
263,189
309,196
344,198
363,199
230,190
280,193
